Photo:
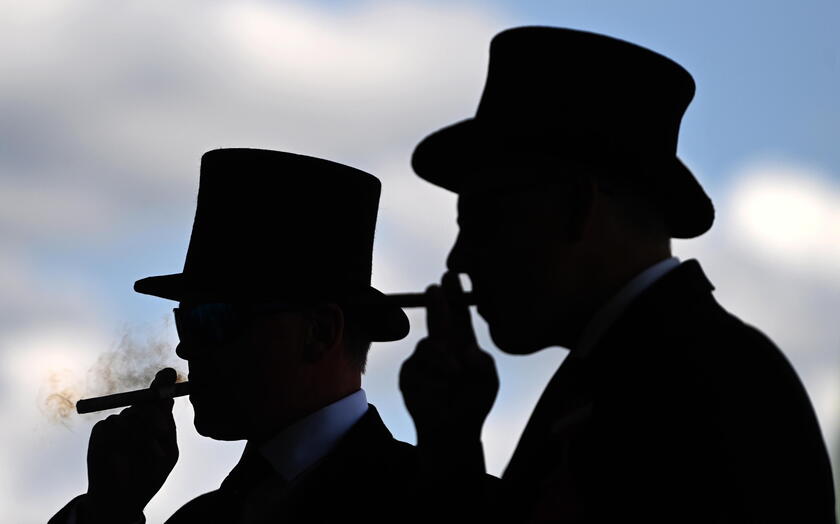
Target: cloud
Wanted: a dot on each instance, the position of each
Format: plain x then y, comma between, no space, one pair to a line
32,298
56,212
790,214
122,100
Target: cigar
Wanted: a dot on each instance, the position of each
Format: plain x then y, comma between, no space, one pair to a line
407,300
130,398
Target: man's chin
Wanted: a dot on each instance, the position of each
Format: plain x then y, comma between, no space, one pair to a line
514,342
216,429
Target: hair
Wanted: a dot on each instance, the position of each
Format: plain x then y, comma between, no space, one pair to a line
357,341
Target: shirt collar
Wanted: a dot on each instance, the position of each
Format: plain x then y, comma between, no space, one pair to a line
308,440
614,307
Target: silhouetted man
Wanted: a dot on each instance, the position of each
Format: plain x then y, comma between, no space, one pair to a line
273,322
667,408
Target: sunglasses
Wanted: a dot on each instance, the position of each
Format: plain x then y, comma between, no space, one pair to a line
218,324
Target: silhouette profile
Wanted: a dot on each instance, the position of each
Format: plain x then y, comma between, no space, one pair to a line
270,323
667,407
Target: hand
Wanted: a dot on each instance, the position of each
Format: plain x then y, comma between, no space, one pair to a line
130,455
449,384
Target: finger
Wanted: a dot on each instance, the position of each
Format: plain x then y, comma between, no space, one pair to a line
157,434
437,312
430,366
421,387
432,352
108,436
422,394
428,347
159,423
429,362
101,430
152,453
144,425
459,313
151,420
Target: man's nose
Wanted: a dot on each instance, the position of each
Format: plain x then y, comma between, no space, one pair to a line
183,351
459,257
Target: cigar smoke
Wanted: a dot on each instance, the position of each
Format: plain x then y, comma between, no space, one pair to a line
63,390
130,364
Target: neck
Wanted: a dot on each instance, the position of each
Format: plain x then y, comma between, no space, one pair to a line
301,403
607,276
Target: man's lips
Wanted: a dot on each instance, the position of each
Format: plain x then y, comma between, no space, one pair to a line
197,385
480,299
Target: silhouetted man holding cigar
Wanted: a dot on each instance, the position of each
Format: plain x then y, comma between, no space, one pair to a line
667,408
276,315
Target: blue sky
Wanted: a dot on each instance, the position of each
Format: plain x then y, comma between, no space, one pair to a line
106,108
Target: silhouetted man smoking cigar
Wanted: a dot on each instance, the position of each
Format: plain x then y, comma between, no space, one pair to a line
668,409
180,389
275,318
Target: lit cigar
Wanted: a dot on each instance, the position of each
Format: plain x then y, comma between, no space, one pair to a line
129,398
419,299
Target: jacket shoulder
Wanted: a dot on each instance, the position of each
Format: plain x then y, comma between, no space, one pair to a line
202,509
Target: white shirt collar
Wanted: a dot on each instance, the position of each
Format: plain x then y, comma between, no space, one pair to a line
614,307
305,442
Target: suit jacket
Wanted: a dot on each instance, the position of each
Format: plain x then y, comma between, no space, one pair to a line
368,477
681,413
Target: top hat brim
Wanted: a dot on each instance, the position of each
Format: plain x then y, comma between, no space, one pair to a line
382,321
448,155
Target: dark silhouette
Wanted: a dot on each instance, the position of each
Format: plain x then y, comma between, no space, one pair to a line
280,254
667,408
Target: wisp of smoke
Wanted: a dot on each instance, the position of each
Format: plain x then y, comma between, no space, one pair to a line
131,364
60,395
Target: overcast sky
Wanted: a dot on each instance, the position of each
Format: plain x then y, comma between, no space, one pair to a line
106,108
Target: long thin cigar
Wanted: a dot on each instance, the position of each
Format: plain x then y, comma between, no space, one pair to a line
407,300
129,398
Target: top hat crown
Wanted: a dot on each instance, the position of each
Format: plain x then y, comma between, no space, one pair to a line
576,95
271,225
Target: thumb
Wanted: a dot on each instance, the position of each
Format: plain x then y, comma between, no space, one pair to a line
164,377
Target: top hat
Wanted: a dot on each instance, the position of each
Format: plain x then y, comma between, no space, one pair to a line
576,96
275,226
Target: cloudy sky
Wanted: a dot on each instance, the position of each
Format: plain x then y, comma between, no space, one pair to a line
106,108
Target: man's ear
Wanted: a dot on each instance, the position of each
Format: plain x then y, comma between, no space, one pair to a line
325,331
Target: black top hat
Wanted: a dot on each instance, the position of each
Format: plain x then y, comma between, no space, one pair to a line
578,96
275,226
